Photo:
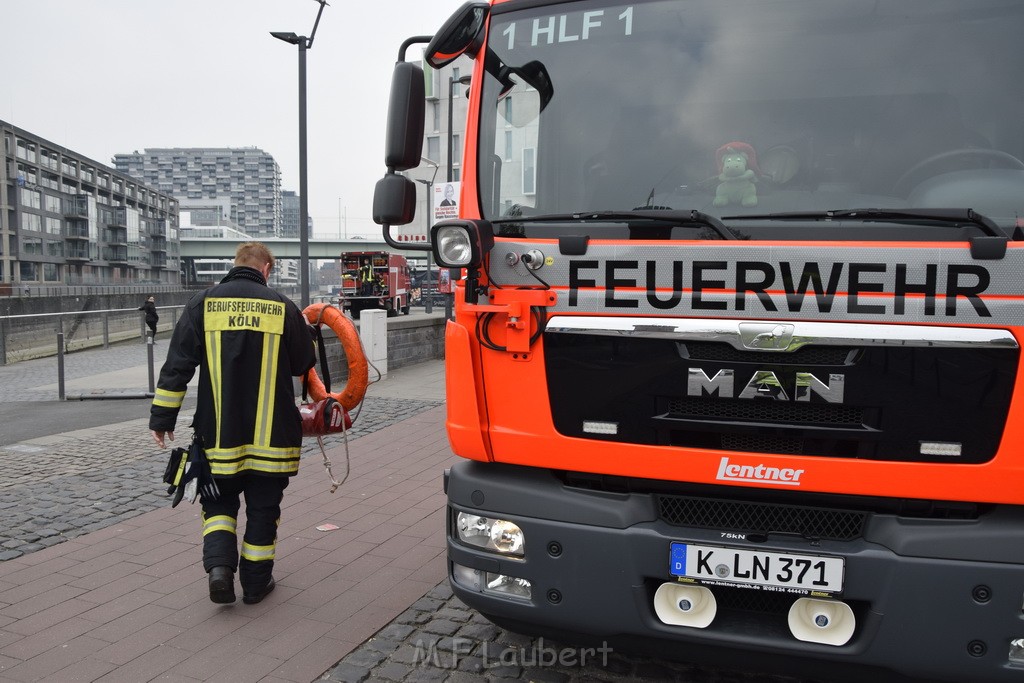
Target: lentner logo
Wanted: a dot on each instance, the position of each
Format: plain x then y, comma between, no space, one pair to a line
758,473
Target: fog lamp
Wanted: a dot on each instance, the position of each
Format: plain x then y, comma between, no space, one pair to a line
508,585
498,535
480,581
1017,652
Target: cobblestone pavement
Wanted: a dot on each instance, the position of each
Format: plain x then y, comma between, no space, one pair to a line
441,639
59,487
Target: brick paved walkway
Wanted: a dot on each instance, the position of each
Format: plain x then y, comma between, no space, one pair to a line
129,602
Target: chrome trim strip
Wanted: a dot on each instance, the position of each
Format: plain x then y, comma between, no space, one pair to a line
782,336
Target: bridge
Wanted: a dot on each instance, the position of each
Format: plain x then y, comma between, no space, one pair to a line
288,247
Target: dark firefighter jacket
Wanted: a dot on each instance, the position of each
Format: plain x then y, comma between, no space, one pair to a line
248,342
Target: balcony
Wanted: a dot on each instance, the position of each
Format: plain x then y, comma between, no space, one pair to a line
77,253
159,244
115,254
159,261
119,219
76,230
116,236
76,208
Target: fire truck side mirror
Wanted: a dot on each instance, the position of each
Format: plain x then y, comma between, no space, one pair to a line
462,34
394,200
404,139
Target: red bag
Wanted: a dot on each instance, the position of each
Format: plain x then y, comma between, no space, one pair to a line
324,417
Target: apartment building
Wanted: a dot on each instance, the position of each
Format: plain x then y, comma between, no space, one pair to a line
68,220
248,176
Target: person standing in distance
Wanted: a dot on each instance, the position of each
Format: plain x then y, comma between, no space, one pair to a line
248,341
152,317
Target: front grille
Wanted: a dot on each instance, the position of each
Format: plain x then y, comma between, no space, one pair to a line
761,518
757,443
808,355
764,410
750,600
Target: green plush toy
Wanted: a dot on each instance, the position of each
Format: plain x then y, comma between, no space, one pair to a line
737,173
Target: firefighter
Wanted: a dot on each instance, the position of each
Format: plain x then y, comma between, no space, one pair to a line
366,279
248,341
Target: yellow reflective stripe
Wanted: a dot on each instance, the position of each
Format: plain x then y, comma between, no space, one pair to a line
219,523
213,363
268,387
168,399
182,461
271,452
256,553
258,315
254,465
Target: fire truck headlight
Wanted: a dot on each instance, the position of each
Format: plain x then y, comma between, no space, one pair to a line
454,249
459,243
497,535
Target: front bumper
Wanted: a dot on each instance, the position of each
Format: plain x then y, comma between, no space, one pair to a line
595,560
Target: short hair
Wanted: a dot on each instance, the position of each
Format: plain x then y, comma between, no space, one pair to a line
253,255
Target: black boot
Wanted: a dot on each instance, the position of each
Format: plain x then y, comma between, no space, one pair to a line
222,585
253,598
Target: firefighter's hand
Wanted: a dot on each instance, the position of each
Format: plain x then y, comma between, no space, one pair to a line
158,437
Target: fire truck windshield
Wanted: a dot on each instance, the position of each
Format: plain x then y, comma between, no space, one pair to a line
753,107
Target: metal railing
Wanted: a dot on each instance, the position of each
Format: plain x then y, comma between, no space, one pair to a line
39,335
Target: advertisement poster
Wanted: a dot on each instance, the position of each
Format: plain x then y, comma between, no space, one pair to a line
444,281
446,198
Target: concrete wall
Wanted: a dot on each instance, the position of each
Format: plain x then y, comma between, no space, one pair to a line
411,339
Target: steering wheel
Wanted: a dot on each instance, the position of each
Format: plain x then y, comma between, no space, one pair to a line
976,157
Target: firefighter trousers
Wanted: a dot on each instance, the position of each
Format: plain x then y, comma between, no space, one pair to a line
263,497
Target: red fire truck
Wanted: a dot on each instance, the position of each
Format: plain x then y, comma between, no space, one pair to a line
374,279
735,371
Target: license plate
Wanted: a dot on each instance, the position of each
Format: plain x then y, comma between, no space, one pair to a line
765,570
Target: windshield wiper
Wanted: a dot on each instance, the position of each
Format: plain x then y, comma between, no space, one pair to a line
953,217
990,246
667,219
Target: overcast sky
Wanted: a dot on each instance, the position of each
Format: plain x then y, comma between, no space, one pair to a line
102,77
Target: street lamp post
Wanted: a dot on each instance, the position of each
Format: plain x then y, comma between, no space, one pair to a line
304,44
451,87
452,81
428,306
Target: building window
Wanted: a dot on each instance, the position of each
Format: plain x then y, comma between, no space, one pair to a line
32,245
508,145
52,225
456,150
31,221
508,110
29,271
435,107
50,272
454,83
529,171
434,148
29,198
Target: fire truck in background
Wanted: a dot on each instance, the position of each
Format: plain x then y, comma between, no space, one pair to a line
389,287
735,369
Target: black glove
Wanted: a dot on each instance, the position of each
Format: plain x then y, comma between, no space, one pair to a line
205,483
